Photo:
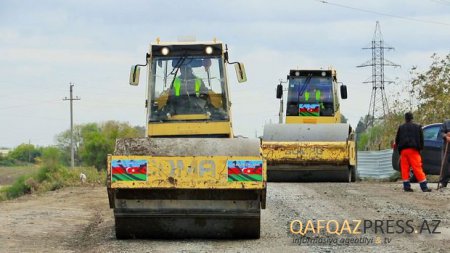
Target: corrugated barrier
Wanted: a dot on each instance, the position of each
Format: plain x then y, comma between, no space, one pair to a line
375,164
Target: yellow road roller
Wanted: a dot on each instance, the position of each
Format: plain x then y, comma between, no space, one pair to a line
189,177
312,144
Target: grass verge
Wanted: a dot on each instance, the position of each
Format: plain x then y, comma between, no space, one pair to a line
50,178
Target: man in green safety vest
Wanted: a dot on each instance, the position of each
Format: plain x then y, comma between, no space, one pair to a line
188,84
188,94
317,97
317,93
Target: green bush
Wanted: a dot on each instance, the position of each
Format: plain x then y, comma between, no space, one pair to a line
50,178
7,161
25,153
51,157
18,189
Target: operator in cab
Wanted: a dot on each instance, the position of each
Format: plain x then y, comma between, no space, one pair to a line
188,94
188,84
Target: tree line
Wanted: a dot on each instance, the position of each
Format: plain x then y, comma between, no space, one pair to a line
92,143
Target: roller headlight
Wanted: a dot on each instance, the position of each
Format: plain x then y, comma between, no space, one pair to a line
165,51
209,50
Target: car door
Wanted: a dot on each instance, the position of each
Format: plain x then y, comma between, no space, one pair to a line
431,154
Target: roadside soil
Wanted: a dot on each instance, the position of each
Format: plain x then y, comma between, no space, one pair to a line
78,219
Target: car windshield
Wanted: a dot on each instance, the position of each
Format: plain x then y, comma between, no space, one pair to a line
310,96
187,86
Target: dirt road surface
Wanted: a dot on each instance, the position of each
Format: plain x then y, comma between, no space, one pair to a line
79,220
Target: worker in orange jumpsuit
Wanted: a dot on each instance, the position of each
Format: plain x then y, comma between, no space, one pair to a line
409,141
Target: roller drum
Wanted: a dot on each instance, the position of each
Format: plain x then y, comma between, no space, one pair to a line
307,152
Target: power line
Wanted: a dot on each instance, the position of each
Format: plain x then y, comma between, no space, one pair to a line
385,14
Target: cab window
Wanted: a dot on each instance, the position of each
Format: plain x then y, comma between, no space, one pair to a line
310,96
192,85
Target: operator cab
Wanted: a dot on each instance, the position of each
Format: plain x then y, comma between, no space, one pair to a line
187,92
187,83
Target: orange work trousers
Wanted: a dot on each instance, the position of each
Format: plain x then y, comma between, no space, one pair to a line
411,158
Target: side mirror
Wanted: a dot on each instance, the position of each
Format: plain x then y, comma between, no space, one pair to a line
343,91
279,91
240,72
134,75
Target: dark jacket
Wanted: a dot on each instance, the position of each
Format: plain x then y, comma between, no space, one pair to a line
409,135
445,128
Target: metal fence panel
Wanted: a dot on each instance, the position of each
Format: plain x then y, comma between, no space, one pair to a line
375,164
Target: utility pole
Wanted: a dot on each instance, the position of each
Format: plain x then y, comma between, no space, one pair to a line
29,152
72,150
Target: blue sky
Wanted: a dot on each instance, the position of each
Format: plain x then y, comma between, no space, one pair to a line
44,45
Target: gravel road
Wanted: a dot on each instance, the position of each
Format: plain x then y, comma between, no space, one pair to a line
79,220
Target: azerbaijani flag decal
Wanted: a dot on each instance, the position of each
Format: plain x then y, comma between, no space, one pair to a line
309,109
129,170
244,170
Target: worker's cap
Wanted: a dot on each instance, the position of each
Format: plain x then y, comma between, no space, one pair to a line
409,116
